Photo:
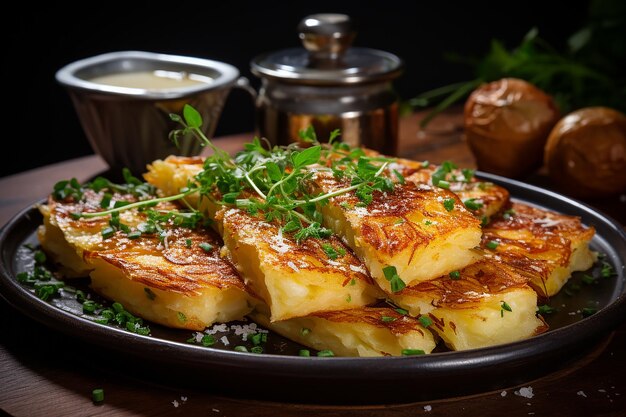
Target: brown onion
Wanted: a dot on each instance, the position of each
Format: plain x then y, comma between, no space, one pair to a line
586,152
507,123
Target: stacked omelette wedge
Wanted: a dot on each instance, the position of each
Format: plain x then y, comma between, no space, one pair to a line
472,264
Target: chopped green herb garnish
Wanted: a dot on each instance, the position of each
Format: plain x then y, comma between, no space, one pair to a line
448,203
207,247
134,235
97,395
425,164
401,311
588,311
256,338
607,270
468,174
39,257
412,352
425,321
473,203
545,309
455,275
589,279
391,275
353,281
332,252
326,353
387,319
256,349
349,298
504,307
304,352
240,348
484,221
207,340
428,222
107,232
493,244
443,184
89,307
188,243
181,317
305,331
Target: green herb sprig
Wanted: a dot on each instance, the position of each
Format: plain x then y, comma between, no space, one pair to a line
272,184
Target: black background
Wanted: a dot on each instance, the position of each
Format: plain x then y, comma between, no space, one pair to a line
40,126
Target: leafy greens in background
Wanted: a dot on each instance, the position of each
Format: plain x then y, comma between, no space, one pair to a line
590,72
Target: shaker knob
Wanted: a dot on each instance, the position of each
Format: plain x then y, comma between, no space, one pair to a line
326,35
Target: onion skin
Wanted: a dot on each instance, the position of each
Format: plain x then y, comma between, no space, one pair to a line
507,123
586,153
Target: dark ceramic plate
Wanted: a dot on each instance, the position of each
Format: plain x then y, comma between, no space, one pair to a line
278,374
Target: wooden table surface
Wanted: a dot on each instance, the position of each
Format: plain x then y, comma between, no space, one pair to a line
44,373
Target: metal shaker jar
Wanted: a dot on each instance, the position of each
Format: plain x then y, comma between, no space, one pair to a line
330,85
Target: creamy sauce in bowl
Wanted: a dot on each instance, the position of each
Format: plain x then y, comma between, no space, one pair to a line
152,80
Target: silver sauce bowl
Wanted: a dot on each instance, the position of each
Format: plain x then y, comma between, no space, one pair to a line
129,127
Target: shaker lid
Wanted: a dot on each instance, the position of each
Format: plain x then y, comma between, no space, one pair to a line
327,57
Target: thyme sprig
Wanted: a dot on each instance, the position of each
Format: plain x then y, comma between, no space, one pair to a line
271,183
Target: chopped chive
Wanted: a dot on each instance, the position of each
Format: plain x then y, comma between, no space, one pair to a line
425,164
492,244
387,319
106,200
349,298
40,257
443,184
107,232
181,317
207,247
455,275
353,281
425,321
607,270
484,221
468,174
240,349
391,275
256,349
97,395
188,243
401,311
399,221
304,352
89,307
326,353
473,203
504,306
412,352
545,309
588,311
305,331
256,338
134,235
588,279
427,222
207,340
448,203
330,251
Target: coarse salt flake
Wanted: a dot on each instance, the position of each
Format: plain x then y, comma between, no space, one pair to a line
225,341
526,392
503,394
428,408
582,394
175,403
